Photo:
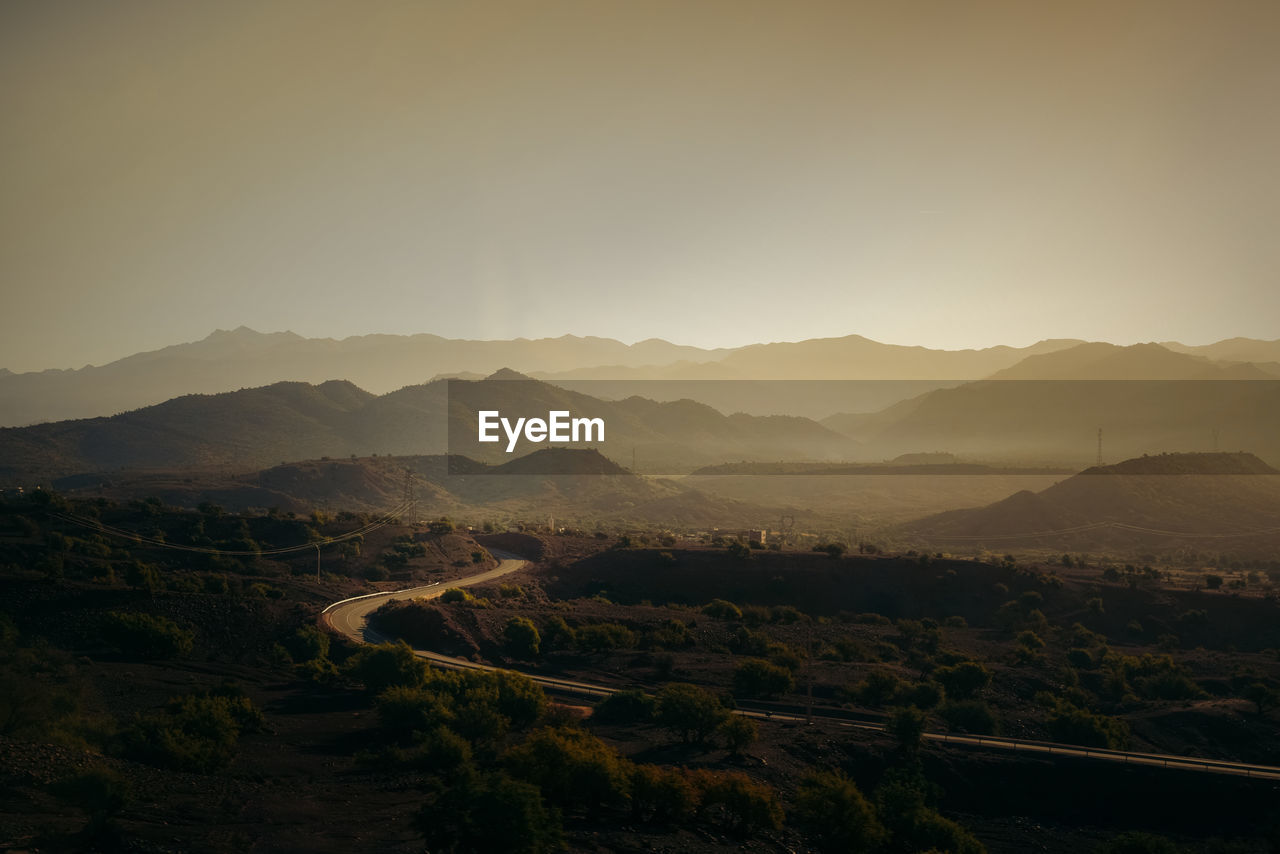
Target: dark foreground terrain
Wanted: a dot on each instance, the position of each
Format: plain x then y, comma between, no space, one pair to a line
156,699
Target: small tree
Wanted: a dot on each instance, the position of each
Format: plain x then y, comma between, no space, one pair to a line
522,638
739,732
688,711
906,724
839,817
756,677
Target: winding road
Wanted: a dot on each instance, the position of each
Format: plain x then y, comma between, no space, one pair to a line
350,617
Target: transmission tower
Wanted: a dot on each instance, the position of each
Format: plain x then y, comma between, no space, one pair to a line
786,525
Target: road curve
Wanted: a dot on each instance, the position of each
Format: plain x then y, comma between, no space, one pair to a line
350,618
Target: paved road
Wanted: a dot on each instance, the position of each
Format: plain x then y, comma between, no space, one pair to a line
350,618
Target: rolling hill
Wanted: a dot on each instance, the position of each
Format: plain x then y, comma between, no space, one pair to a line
1206,501
1048,409
254,428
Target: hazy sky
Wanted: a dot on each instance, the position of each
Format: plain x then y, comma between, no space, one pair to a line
947,173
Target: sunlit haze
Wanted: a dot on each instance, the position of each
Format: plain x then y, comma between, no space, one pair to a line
713,173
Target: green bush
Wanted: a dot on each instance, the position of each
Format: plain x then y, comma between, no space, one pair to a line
838,817
196,732
572,768
758,678
971,716
522,639
625,707
721,609
688,711
146,636
743,805
381,666
661,795
488,812
601,637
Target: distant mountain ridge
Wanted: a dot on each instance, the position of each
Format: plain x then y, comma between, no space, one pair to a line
258,427
243,358
1049,407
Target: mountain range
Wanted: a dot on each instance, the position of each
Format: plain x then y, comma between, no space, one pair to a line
242,358
253,428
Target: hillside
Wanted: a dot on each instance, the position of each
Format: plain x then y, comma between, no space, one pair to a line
576,487
254,428
1049,408
1218,502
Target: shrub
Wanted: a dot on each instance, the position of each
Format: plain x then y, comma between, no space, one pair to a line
404,710
837,815
197,732
661,794
625,707
738,732
307,644
744,805
1073,725
145,636
381,666
488,812
963,680
758,678
721,609
876,690
688,711
971,716
572,768
601,637
522,640
556,634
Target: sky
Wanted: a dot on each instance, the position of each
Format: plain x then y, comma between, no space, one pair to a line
715,172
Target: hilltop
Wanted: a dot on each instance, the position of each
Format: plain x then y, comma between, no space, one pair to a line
1223,502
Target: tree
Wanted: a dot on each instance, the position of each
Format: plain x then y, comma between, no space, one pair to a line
746,806
522,638
380,666
625,707
1213,582
1262,696
141,576
906,724
145,636
963,680
839,818
488,812
571,767
601,637
688,711
661,794
971,716
756,677
739,732
877,689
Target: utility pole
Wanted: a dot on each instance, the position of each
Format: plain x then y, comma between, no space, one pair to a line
1099,446
317,545
409,497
